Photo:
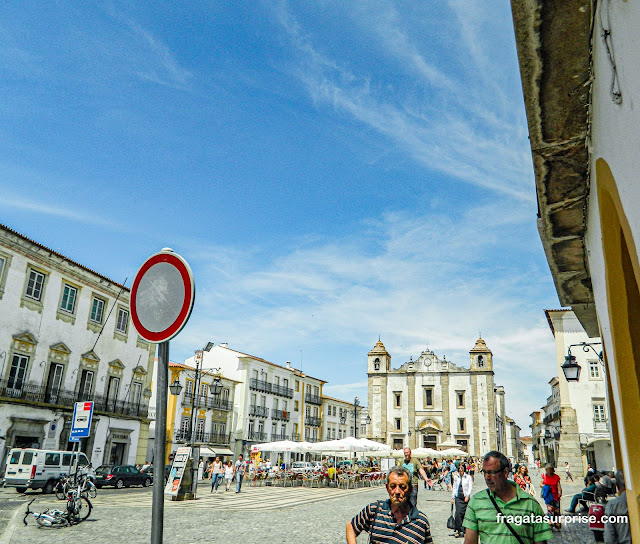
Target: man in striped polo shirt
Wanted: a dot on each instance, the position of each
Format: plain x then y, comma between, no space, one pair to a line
518,509
394,521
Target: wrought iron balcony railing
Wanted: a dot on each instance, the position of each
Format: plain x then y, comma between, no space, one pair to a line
278,437
268,387
30,392
260,411
313,399
200,437
312,421
282,415
206,401
257,437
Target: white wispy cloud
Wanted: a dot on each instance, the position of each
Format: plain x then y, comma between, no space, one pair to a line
414,279
145,55
16,203
469,142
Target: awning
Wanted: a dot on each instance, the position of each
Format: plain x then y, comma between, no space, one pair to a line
208,452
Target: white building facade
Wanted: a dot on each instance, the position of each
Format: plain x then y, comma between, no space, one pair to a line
576,419
338,419
272,402
431,401
66,336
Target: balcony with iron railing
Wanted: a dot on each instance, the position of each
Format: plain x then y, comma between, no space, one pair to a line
207,402
282,415
260,411
313,399
41,394
256,436
200,437
278,437
268,387
312,421
311,439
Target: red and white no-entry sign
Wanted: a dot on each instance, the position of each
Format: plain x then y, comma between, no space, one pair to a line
162,296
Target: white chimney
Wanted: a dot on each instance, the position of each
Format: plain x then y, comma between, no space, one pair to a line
223,345
288,364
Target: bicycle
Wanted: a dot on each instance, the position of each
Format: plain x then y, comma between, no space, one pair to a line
64,484
78,509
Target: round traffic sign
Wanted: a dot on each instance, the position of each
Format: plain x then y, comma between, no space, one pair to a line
162,296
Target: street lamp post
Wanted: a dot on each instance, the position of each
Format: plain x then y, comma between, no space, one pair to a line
216,387
571,368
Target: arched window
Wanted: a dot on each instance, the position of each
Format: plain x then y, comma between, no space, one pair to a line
480,361
376,364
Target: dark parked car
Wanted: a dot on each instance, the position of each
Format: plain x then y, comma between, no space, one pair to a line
121,476
167,470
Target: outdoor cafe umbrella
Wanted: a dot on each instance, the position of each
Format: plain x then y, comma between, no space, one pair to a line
348,444
281,445
375,446
454,452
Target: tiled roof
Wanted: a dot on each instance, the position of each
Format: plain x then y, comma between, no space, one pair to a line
71,261
296,371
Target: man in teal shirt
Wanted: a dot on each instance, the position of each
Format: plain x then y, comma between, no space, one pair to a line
414,467
518,509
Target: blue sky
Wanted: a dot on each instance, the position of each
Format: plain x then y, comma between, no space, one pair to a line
332,170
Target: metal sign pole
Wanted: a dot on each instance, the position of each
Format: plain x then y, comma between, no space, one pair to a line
160,443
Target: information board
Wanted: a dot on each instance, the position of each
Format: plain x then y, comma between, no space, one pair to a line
180,460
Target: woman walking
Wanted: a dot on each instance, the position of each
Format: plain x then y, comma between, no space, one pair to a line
228,475
552,493
522,479
460,495
216,474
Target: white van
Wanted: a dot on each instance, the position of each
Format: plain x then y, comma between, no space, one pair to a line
300,467
40,469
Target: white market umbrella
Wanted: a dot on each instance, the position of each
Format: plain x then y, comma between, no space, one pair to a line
454,452
280,445
348,444
375,446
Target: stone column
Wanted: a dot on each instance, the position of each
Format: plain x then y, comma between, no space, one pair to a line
569,444
446,419
474,449
411,419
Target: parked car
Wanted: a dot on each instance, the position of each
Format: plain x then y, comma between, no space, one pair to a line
32,468
316,466
167,470
300,467
121,476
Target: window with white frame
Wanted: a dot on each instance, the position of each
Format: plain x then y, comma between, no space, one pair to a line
17,372
598,412
122,321
68,300
97,310
35,285
594,369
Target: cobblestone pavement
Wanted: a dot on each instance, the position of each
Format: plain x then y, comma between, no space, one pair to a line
257,515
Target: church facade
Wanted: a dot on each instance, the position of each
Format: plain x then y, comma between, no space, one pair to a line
433,403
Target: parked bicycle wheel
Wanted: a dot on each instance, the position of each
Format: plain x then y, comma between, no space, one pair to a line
60,490
81,509
90,490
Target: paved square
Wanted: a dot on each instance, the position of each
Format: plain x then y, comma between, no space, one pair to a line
256,515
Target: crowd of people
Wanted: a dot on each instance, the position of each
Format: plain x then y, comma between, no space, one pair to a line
509,492
484,516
